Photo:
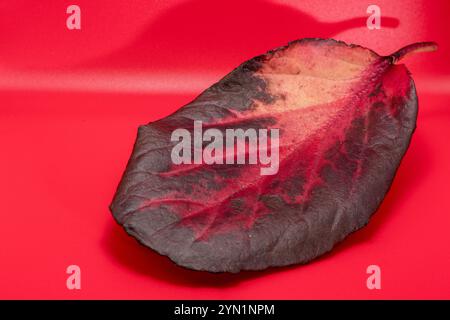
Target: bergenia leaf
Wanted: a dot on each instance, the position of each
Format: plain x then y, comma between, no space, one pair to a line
345,116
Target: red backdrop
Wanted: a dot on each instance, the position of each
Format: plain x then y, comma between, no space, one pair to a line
71,101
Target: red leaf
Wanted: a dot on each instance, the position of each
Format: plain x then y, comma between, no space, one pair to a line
345,117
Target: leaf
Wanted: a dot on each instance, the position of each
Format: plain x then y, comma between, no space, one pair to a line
345,117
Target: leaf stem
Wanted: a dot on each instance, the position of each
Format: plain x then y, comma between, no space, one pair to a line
412,49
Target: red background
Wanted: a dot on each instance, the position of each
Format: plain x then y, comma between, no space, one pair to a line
71,102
